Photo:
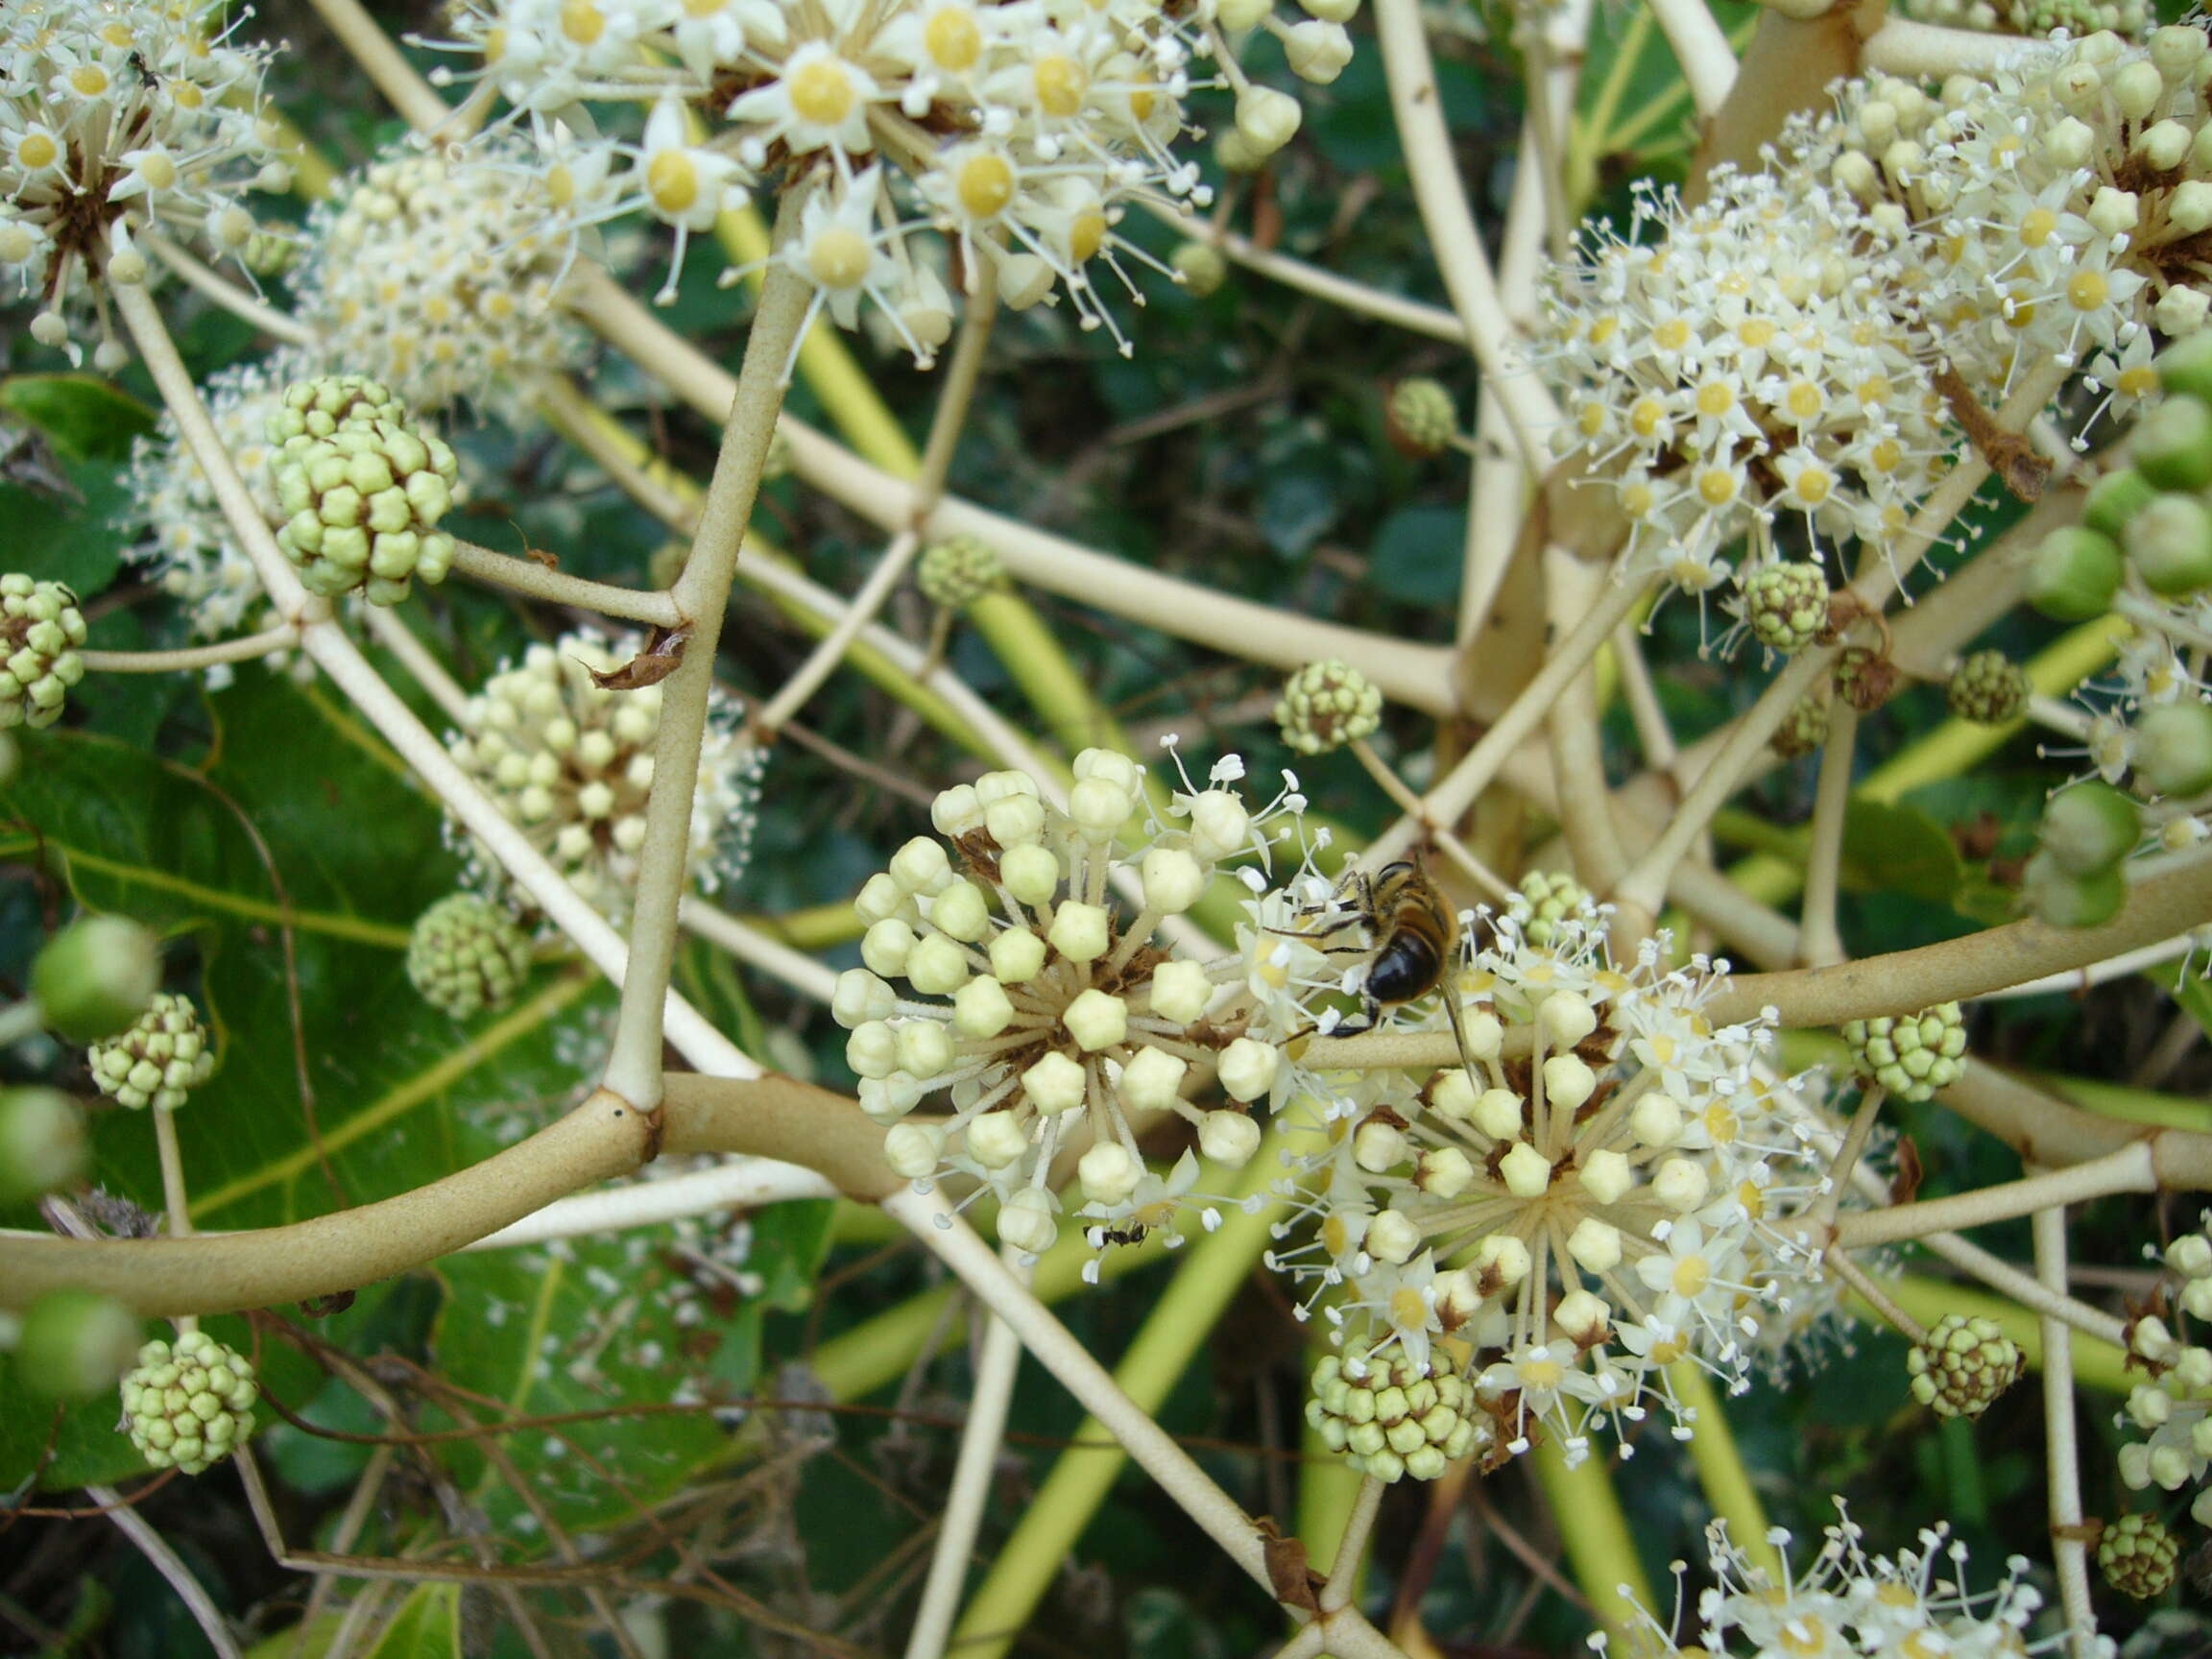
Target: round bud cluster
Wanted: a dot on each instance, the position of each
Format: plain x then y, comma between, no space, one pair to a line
40,629
159,1061
2036,18
1033,1005
1545,898
121,119
1864,678
1963,1364
2138,1555
1804,729
570,762
2074,877
959,570
1327,705
467,954
361,490
1785,605
1914,1055
95,977
1423,418
1989,688
1390,1418
189,1405
443,272
2173,1409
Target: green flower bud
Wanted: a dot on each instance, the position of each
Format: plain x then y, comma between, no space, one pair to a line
959,570
1911,1056
360,500
467,954
1804,729
2173,444
2173,748
2185,367
1787,605
2138,1556
42,1146
2170,542
1423,418
190,1406
2090,826
159,1060
75,1344
1545,898
1987,688
2074,574
1202,266
2114,499
40,629
1327,705
1961,1366
1390,1418
2058,900
95,977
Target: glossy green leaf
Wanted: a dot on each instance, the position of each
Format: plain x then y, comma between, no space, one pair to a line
426,1627
82,416
1900,850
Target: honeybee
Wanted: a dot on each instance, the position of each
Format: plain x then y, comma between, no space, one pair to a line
1414,939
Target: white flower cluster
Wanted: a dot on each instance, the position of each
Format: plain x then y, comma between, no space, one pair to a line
1018,128
118,118
571,763
1848,1602
1608,1193
441,272
2173,1408
1745,365
1061,1020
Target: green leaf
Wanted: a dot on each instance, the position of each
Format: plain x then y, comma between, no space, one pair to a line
1416,555
86,417
426,1627
1900,850
58,540
334,1083
310,1640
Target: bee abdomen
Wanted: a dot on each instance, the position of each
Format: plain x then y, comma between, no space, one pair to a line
1408,967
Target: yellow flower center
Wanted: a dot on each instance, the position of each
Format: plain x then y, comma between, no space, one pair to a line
672,182
1813,486
1671,335
838,257
34,151
582,22
985,185
1755,332
1717,486
1716,398
1086,235
952,39
2089,290
2038,228
89,81
1803,400
1061,84
821,92
1646,417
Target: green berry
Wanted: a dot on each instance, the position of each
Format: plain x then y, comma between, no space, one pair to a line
2138,1556
159,1060
2173,748
361,501
1987,688
95,977
40,629
2059,899
467,954
1423,418
2114,499
2173,444
2185,367
42,1145
1202,267
2090,826
1804,729
2169,544
1864,678
1327,705
2074,574
191,1404
1787,605
1390,1418
959,570
1961,1366
1911,1056
75,1344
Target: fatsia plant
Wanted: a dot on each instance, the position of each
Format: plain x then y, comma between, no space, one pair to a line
1615,912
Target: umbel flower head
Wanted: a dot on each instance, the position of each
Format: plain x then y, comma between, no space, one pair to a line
361,487
441,271
467,954
1846,1603
1020,132
189,1405
2173,1408
40,628
570,762
1609,1191
1043,1012
159,1060
117,116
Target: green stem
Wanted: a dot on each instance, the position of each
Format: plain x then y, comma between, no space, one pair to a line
1601,1549
1720,1472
